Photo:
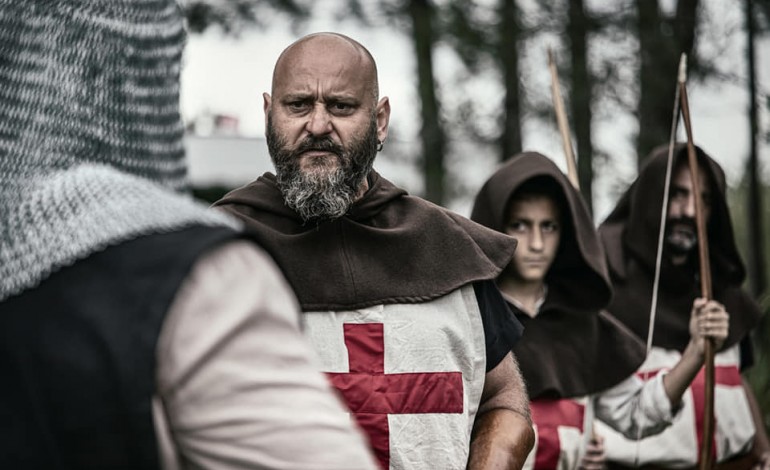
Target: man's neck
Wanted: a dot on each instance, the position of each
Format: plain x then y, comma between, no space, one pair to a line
363,188
526,295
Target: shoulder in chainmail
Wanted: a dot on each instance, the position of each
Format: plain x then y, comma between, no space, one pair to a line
91,147
70,214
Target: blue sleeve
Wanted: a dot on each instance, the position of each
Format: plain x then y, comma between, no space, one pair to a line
501,329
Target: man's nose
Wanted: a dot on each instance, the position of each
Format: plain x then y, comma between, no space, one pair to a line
319,121
536,240
689,207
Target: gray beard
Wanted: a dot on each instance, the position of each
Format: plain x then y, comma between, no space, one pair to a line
322,193
317,196
680,243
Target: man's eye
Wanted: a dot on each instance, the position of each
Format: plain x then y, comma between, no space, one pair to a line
339,107
550,227
678,193
297,105
517,227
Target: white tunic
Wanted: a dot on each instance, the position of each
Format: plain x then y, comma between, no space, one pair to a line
631,406
679,445
412,374
238,386
558,433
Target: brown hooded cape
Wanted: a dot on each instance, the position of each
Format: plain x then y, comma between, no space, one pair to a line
389,248
571,348
630,236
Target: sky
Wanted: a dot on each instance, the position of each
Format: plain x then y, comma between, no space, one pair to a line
228,76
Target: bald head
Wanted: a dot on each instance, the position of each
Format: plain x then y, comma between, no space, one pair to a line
324,51
324,123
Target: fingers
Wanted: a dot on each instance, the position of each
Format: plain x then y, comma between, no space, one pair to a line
698,303
709,319
591,465
594,458
713,321
701,306
763,463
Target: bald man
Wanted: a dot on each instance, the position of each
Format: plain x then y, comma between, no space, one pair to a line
397,294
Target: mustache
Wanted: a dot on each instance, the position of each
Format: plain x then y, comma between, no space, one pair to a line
686,221
324,144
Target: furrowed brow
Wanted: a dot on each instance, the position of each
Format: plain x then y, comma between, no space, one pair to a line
341,97
295,97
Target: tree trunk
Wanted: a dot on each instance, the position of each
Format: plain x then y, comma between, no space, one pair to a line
421,13
581,98
756,256
661,43
508,54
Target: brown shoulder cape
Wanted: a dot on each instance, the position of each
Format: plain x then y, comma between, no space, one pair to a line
389,248
571,348
630,236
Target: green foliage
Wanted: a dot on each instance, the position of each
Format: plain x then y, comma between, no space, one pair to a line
763,6
472,38
759,374
737,200
234,16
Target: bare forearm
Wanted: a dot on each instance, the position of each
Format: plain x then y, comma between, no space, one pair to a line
502,433
708,322
501,439
678,379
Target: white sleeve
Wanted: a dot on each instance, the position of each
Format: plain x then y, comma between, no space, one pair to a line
238,387
636,408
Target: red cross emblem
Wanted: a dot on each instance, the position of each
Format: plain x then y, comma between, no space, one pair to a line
372,395
548,415
723,375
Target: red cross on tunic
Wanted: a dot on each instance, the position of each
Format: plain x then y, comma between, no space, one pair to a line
372,395
728,376
548,415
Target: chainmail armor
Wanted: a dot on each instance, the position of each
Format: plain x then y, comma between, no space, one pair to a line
91,147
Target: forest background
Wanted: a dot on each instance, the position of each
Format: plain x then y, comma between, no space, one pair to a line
470,87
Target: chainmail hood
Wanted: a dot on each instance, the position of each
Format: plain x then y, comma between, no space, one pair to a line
91,149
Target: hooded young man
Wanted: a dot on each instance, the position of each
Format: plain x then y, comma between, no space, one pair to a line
138,329
557,285
630,237
396,292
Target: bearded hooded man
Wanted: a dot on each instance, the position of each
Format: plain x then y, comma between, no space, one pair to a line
575,357
630,239
133,321
396,292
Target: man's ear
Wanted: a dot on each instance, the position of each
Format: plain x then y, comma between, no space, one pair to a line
268,102
383,118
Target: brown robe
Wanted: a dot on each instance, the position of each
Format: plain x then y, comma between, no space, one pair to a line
571,348
389,248
630,236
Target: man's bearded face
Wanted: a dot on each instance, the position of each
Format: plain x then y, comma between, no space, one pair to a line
323,187
681,235
681,227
